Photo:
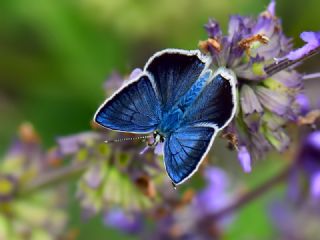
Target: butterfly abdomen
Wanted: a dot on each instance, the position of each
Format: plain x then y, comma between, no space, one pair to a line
194,92
170,121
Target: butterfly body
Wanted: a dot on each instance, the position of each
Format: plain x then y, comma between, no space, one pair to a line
173,119
180,99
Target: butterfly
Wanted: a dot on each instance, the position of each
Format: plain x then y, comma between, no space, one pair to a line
178,99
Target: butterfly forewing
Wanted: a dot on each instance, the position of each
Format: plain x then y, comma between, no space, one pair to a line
174,72
135,108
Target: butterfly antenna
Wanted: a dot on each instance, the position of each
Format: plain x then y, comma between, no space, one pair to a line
126,139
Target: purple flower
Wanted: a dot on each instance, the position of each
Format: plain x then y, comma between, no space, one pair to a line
94,176
304,103
309,156
115,80
194,220
126,222
295,222
312,40
269,95
249,101
307,166
315,185
215,195
272,8
213,29
73,143
113,83
109,172
135,73
244,158
25,165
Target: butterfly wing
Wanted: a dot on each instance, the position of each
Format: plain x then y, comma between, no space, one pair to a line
167,76
213,110
216,105
134,108
174,71
184,150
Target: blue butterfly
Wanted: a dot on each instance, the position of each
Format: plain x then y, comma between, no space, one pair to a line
180,100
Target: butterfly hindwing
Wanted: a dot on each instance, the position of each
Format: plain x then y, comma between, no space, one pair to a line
184,150
135,108
174,71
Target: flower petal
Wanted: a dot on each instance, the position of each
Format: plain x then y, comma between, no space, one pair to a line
315,185
213,29
215,195
239,27
314,140
249,100
279,139
245,159
312,40
135,73
258,145
304,103
113,82
272,7
94,176
290,79
127,222
71,144
274,122
216,178
277,102
308,158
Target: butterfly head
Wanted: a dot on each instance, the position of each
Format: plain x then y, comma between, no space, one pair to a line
157,138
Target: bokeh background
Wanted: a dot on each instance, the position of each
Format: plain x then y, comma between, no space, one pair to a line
56,54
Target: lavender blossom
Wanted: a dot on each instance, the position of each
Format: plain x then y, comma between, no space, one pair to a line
115,80
312,40
214,196
40,213
308,165
125,222
268,91
244,158
109,172
295,222
304,103
193,219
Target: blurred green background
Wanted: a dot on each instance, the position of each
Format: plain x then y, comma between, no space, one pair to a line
56,54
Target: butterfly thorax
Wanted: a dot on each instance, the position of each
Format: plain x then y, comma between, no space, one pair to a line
172,119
